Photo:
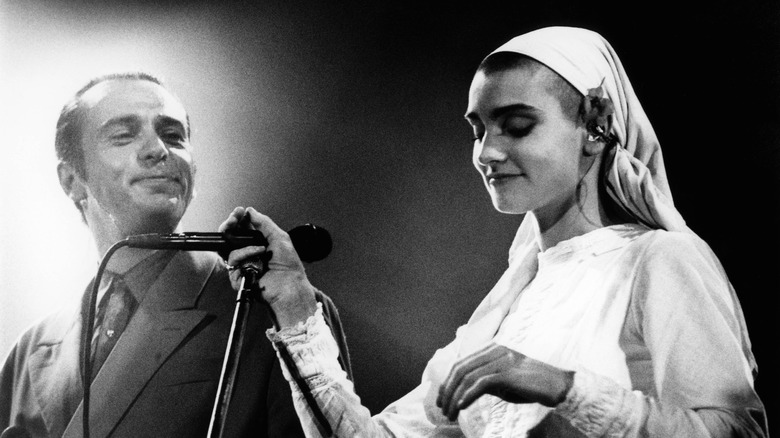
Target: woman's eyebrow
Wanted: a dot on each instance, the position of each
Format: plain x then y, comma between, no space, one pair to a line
500,111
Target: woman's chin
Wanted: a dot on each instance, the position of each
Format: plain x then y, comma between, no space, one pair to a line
503,206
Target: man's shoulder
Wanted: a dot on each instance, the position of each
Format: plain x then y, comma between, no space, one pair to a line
204,264
204,260
48,330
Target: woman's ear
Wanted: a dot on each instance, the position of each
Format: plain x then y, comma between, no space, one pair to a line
597,138
593,145
597,111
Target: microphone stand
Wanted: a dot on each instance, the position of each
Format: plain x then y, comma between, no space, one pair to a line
249,275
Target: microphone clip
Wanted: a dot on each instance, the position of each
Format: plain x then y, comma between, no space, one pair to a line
251,271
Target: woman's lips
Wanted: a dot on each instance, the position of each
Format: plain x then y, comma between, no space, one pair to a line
497,178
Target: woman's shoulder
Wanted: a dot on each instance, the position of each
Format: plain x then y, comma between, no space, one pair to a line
654,242
656,251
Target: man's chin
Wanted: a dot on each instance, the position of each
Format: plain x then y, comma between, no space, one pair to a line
158,217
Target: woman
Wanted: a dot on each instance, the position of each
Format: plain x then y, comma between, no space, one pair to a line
612,318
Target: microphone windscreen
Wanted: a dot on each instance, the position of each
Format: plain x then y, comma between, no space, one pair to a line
312,243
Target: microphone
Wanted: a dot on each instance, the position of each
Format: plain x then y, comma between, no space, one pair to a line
312,243
15,432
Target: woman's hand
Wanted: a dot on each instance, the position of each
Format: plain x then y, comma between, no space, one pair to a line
504,373
284,284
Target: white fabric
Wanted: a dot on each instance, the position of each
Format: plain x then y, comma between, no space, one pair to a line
690,368
636,177
649,360
586,60
569,316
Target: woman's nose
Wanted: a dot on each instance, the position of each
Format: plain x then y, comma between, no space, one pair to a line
488,150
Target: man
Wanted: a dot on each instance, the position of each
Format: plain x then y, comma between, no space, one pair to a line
126,163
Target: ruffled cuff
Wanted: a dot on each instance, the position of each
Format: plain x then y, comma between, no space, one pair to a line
311,346
597,406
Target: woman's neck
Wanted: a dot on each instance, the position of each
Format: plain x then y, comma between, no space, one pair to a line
574,220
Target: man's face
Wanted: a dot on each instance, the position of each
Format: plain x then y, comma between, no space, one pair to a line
139,169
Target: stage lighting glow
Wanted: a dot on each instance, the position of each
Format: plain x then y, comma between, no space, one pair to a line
47,52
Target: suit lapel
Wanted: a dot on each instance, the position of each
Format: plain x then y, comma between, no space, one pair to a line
162,321
54,368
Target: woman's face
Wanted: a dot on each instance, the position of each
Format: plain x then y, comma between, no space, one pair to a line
527,149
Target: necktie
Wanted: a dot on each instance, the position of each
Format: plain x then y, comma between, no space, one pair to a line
114,311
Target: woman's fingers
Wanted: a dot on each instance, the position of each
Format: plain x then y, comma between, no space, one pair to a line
266,225
505,373
244,257
489,383
233,219
283,280
239,256
461,369
467,372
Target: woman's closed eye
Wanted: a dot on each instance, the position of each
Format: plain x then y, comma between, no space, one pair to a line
518,127
513,126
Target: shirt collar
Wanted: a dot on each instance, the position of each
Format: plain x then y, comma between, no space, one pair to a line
140,277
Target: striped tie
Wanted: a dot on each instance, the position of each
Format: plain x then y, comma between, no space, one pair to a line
115,309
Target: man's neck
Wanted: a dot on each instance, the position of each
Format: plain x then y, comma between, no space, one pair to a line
124,258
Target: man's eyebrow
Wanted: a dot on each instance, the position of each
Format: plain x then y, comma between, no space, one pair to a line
163,120
126,120
500,111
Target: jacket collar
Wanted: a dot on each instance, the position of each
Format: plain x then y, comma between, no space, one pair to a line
167,311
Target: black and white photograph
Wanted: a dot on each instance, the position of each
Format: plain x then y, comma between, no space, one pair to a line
389,219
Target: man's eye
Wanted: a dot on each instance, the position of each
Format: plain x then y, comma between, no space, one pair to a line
122,137
173,137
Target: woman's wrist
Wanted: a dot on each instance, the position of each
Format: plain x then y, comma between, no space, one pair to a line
295,305
567,381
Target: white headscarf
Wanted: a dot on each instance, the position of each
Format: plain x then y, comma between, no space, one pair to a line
636,178
636,174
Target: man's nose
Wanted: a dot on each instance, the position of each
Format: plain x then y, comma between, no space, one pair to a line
153,150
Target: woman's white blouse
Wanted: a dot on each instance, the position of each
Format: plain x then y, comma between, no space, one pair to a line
646,318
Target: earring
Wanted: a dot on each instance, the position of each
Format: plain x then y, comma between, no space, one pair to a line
597,133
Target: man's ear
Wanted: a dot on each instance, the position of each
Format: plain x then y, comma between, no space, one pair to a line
70,181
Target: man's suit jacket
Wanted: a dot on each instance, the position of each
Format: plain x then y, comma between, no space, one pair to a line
161,378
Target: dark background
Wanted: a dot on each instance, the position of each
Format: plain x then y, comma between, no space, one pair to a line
349,115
